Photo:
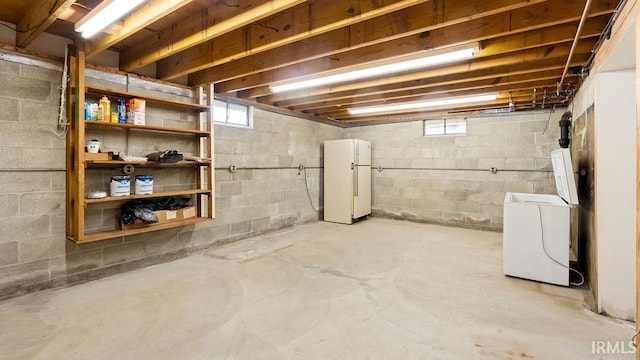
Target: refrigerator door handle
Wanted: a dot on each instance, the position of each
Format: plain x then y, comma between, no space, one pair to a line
357,152
355,181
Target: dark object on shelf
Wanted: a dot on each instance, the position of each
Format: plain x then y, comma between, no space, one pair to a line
143,210
565,124
165,156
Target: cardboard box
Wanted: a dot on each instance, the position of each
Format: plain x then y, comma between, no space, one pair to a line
137,110
164,216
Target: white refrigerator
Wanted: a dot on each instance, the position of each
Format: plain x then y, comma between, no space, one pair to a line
347,180
536,228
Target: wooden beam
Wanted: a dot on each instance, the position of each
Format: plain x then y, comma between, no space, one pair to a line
489,84
37,19
437,38
389,90
557,52
544,37
404,32
297,24
214,21
516,87
148,13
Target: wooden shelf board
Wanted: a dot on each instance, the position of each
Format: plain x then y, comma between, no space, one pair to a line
183,163
103,235
154,195
96,90
162,129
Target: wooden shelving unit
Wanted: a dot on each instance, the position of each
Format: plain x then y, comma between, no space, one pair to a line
149,196
103,124
202,134
146,164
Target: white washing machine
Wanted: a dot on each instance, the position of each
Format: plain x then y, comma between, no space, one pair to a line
536,228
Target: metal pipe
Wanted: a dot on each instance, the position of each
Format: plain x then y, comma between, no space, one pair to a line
574,44
270,168
459,169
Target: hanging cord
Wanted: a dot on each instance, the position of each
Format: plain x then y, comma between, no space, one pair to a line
306,185
634,338
549,256
63,125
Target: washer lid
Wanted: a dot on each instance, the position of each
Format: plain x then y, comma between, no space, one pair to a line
563,173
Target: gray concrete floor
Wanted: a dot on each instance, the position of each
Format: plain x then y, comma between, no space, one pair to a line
378,289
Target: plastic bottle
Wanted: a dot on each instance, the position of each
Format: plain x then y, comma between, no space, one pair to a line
122,112
106,109
100,113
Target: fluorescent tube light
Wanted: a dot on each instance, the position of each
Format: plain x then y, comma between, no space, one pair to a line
103,15
422,104
389,66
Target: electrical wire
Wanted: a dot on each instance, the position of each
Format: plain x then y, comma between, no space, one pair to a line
549,120
550,257
635,337
63,125
306,185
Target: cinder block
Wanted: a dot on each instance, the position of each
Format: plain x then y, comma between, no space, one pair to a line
230,188
10,109
83,261
20,87
122,253
32,112
23,227
242,227
519,163
39,203
492,186
467,207
9,205
260,224
8,253
533,126
41,248
518,186
8,67
24,273
455,195
32,157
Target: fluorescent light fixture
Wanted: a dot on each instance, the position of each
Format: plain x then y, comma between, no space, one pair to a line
385,67
103,15
422,104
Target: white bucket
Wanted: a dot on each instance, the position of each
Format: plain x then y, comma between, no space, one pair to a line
120,185
143,185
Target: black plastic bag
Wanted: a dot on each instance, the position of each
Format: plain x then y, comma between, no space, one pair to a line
144,210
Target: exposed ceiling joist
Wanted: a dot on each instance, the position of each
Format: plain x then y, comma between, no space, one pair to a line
538,29
37,18
297,24
215,21
148,13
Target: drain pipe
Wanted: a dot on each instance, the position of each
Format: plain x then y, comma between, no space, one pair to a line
575,43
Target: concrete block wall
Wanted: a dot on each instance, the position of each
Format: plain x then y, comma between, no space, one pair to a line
34,253
459,189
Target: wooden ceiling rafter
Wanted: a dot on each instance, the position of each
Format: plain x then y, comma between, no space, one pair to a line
37,18
148,13
296,24
216,20
341,48
559,52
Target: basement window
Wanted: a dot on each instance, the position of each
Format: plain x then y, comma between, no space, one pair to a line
445,127
229,113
